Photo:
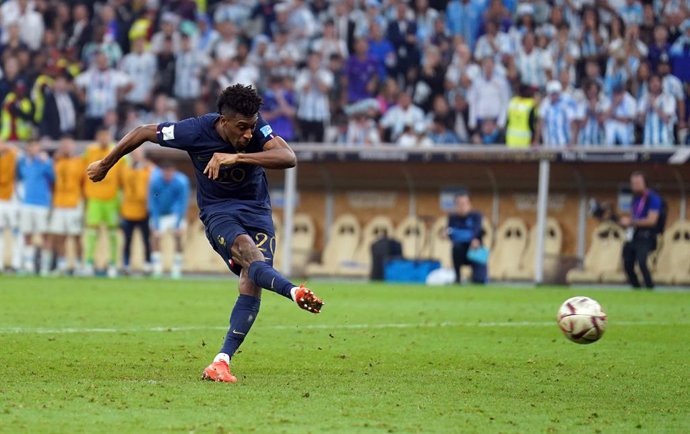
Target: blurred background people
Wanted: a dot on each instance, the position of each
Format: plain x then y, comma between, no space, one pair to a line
167,201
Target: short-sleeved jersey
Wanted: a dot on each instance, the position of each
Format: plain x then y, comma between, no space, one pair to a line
69,181
106,189
8,173
135,191
239,187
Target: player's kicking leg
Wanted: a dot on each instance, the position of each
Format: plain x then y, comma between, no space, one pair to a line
254,275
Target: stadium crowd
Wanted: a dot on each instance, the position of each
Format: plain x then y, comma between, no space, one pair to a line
415,73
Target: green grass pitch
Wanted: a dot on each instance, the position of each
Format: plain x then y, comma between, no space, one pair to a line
119,356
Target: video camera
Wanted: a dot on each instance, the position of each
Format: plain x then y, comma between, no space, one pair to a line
602,211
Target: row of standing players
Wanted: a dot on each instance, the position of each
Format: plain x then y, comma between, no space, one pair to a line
52,197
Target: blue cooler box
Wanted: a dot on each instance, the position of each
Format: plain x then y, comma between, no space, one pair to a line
407,271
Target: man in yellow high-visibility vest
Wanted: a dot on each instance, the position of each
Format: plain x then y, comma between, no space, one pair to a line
521,119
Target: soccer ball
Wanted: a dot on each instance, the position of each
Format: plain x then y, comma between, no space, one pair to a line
582,320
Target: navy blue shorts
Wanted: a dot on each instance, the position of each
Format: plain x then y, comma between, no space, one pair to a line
222,230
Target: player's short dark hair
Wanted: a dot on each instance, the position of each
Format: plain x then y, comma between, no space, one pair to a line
239,99
640,174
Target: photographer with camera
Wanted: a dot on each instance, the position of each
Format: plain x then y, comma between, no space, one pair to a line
646,220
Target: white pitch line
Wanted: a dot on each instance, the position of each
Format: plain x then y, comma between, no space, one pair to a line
297,327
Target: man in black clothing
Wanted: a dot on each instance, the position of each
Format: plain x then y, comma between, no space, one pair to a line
466,233
643,226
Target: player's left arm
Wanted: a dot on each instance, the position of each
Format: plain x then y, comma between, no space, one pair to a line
276,154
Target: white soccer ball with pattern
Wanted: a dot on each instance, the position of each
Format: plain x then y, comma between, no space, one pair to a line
582,320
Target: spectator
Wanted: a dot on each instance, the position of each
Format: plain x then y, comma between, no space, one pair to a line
431,79
189,66
618,115
534,65
35,170
565,53
81,28
555,118
619,70
673,86
30,22
362,73
381,50
140,65
165,76
169,22
279,108
440,133
521,119
168,198
399,116
659,47
17,114
313,109
631,12
463,18
488,134
414,136
329,44
60,109
426,18
206,36
590,116
593,38
11,40
134,207
680,53
164,110
226,46
657,113
493,43
488,97
402,33
100,88
67,214
362,131
9,216
102,203
466,233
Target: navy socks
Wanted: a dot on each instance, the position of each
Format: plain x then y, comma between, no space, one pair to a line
265,276
243,316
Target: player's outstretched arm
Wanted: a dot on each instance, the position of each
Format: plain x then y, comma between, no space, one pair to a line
131,141
276,154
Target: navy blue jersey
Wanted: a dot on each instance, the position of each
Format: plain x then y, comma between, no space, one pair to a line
463,229
239,187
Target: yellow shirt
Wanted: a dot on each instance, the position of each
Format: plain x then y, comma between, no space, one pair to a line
106,189
70,173
135,192
8,171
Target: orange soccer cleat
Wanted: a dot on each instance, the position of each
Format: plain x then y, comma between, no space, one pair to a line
220,372
307,300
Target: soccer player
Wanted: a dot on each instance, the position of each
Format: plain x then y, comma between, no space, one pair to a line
66,218
36,172
134,208
168,201
102,203
230,150
9,217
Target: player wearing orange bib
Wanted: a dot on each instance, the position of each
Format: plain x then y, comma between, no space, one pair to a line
67,216
134,209
102,202
9,214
